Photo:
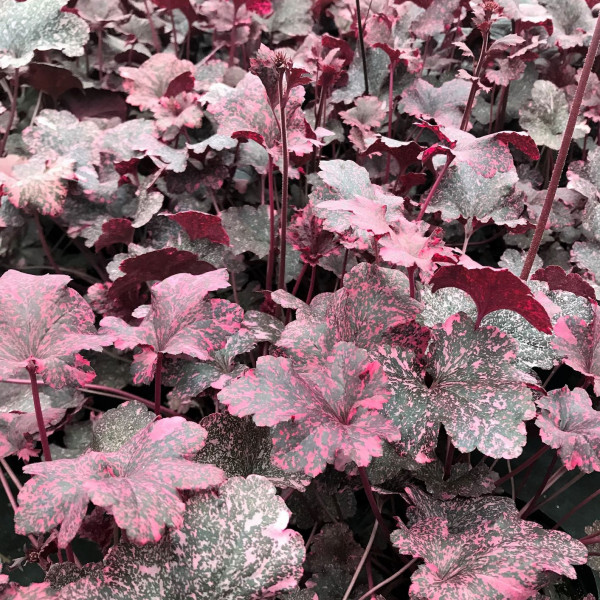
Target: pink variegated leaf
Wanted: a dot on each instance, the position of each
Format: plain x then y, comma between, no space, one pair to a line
127,483
492,290
569,422
477,391
481,548
39,184
35,591
233,545
45,323
372,302
578,342
179,321
330,414
147,84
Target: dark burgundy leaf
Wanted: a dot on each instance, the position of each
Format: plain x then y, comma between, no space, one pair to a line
51,80
557,279
115,231
494,289
92,103
199,225
137,484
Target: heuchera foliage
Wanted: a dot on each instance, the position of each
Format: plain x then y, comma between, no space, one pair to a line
299,299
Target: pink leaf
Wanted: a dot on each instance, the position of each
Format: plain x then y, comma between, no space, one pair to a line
137,484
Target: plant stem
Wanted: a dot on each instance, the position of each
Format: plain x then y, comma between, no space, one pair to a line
362,562
155,38
434,187
157,382
35,392
560,491
361,43
300,278
448,459
13,112
390,117
474,86
44,242
284,185
271,257
11,474
525,511
522,466
389,579
311,287
562,153
411,280
364,478
100,50
574,510
344,265
8,491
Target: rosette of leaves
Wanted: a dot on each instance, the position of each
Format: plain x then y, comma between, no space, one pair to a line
330,413
230,546
38,25
125,482
568,422
481,548
178,321
468,380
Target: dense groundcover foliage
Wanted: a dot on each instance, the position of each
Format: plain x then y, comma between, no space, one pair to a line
298,299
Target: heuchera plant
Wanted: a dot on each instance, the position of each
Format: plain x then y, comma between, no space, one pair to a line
299,300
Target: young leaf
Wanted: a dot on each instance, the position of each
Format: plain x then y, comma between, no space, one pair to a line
230,546
557,279
481,549
568,422
330,414
45,323
199,225
152,465
477,392
178,322
38,25
494,289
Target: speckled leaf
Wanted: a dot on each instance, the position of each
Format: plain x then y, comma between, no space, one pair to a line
463,480
247,228
373,301
513,260
233,546
45,322
146,84
479,183
477,392
179,321
545,116
334,547
584,176
127,482
118,425
330,414
445,104
492,290
578,342
481,549
39,184
241,448
586,255
38,25
568,422
572,22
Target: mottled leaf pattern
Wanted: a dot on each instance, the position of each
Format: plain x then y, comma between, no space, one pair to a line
482,549
327,415
45,323
230,546
569,423
477,392
152,465
179,322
